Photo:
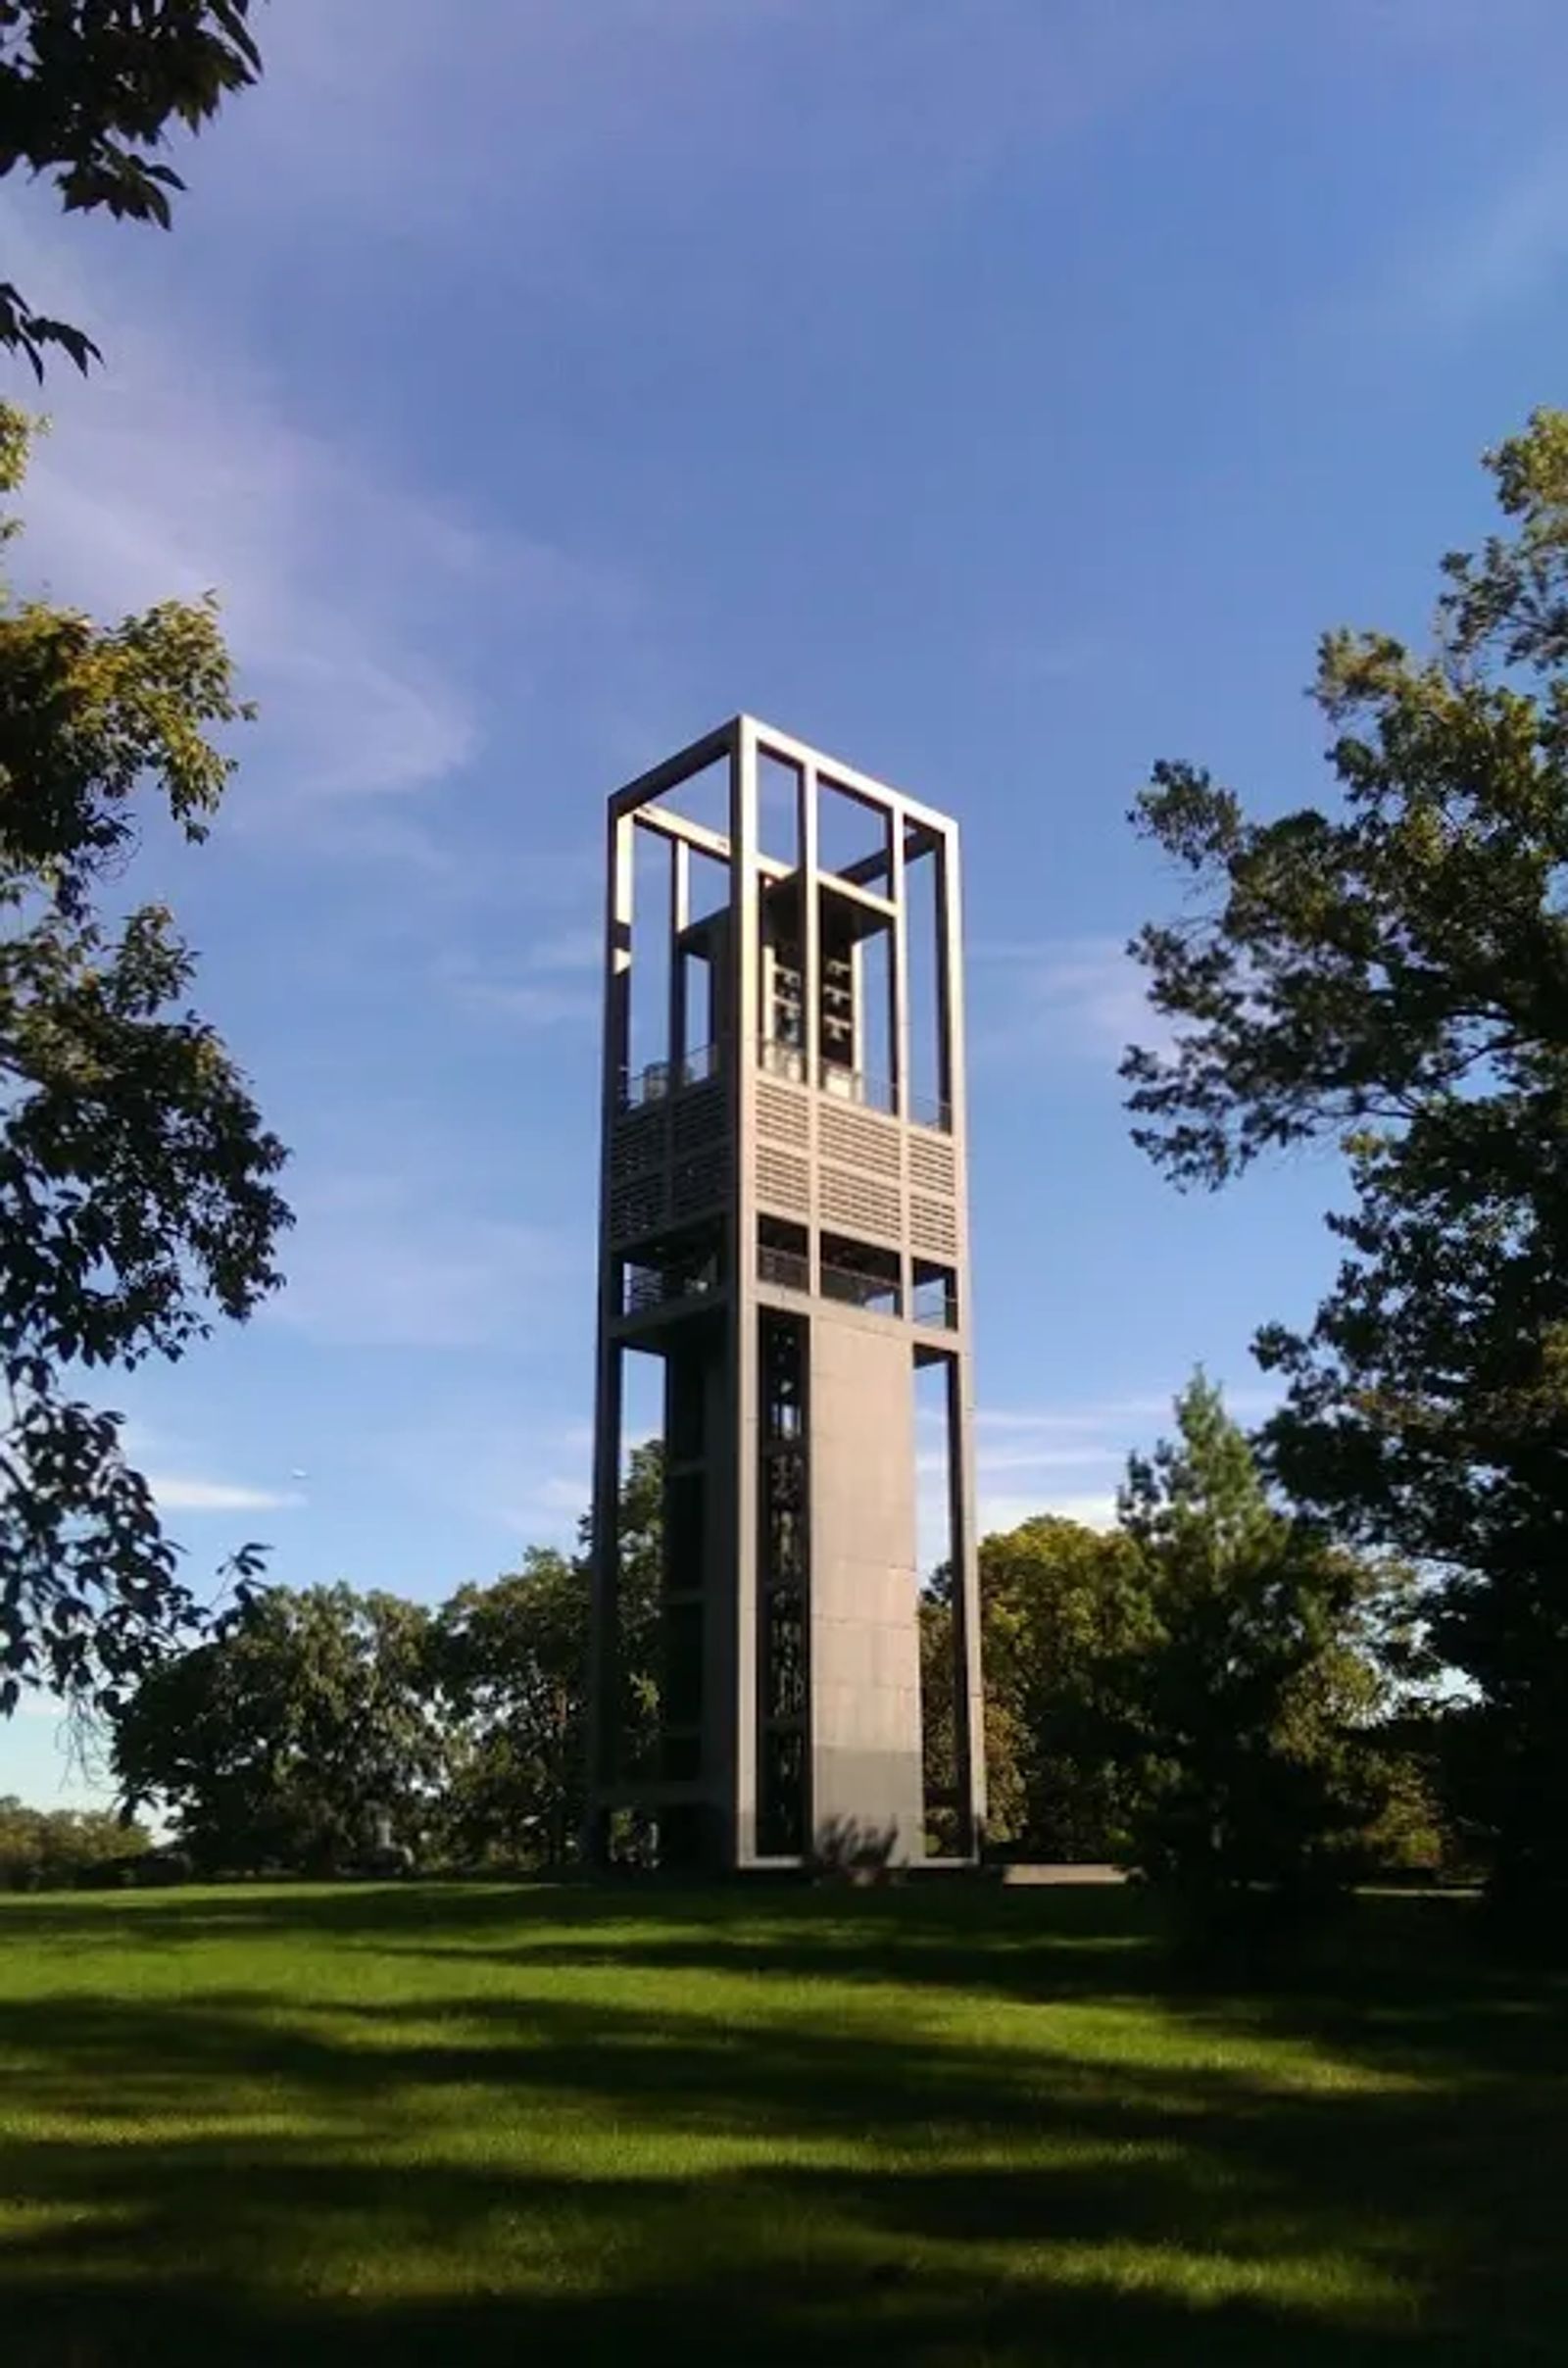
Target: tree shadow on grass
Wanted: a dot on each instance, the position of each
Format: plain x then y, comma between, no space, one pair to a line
465,1914
970,1938
488,2175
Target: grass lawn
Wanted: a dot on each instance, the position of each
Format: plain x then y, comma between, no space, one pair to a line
932,2125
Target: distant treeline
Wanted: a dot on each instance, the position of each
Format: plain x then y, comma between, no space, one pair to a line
68,1849
1211,1693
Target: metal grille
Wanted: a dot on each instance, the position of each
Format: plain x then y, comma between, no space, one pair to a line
702,1182
933,1227
636,1144
860,1142
782,1114
637,1208
859,1204
699,1116
783,1180
932,1165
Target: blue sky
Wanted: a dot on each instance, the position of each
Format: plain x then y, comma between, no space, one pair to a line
1001,395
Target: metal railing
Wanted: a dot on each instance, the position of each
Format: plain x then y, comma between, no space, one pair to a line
790,1269
650,1286
857,1086
782,1059
936,1303
657,1080
878,1294
929,1110
866,1090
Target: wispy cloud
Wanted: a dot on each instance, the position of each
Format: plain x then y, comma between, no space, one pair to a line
384,1260
567,950
1050,659
1063,1460
1076,1454
490,992
1122,1419
559,1496
578,94
991,1459
1069,998
180,1493
1507,252
1095,1509
525,1478
1120,1415
354,603
546,989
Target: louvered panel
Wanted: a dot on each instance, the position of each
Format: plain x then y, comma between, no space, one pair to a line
933,1227
855,1140
637,1208
783,1180
636,1144
700,1116
782,1116
859,1204
932,1165
702,1182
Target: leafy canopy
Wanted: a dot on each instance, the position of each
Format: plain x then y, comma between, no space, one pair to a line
1393,971
282,1738
1246,1696
510,1663
138,1198
1060,1608
301,1720
88,89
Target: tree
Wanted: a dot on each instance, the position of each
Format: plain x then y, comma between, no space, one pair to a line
1249,1697
284,1736
512,1661
292,1735
42,1849
1062,1608
136,1192
88,89
640,1535
1394,973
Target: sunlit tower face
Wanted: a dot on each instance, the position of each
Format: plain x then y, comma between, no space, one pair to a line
784,1267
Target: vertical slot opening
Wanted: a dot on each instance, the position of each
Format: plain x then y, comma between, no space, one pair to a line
649,1052
701,798
702,1002
781,981
779,794
857,1033
876,1044
853,836
941,1675
783,1589
707,886
927,1095
934,1295
837,1012
639,1564
685,1570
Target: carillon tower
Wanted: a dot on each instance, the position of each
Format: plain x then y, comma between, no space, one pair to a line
783,1230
